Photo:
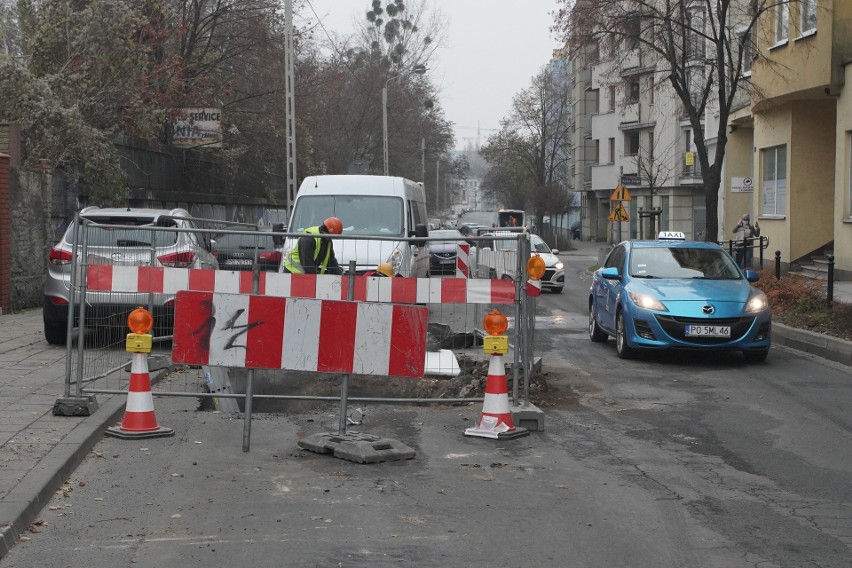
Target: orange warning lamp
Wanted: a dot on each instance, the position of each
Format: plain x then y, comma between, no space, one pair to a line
536,267
495,324
140,321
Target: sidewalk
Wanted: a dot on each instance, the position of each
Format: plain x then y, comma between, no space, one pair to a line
39,451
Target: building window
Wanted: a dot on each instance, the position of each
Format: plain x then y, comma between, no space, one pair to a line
633,92
774,182
597,151
612,98
612,150
633,28
650,90
746,49
781,18
631,143
807,16
651,147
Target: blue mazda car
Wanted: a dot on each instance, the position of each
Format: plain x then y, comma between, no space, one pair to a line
671,293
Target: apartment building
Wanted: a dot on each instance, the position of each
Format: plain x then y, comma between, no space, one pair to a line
793,145
630,131
788,155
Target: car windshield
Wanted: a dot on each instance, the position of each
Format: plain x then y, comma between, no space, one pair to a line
102,233
682,262
455,237
235,241
538,245
361,214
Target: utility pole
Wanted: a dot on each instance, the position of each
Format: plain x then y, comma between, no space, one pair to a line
289,107
437,185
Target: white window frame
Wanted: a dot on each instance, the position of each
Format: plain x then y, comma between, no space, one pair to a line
773,195
782,24
807,17
748,51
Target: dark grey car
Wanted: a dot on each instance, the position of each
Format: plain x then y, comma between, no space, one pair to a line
442,254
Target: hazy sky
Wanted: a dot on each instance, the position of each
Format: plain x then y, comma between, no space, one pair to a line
493,48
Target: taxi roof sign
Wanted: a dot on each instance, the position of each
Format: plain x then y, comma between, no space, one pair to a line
671,236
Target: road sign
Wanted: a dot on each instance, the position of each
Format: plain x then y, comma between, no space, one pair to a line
620,194
619,213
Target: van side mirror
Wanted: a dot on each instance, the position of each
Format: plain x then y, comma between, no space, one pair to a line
420,231
278,240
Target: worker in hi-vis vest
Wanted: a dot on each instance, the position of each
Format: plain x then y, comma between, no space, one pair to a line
314,253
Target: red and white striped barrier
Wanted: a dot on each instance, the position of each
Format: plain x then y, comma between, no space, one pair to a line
299,334
163,280
463,260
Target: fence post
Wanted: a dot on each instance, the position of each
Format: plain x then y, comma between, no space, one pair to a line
830,294
760,245
777,264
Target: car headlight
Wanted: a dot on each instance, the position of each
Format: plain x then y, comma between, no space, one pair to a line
757,303
395,260
558,265
647,301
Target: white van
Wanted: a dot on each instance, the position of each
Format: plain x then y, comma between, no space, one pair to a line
368,206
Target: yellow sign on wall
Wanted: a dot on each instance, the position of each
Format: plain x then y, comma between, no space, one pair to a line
689,159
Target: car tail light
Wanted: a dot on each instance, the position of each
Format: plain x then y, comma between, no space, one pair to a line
59,256
271,257
57,301
177,259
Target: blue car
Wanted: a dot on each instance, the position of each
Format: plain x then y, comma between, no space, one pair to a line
671,293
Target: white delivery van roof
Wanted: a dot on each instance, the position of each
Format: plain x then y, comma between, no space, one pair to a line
359,185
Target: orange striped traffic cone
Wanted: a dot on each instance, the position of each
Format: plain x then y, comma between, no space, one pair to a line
495,421
140,420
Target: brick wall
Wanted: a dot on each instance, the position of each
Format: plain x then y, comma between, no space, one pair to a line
5,236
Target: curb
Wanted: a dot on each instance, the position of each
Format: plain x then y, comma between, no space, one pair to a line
825,346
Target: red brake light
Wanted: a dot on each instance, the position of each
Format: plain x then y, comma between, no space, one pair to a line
177,259
59,256
271,257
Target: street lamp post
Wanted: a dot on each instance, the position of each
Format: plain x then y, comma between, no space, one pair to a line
418,69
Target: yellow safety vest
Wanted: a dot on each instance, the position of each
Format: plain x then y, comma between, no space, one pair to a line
294,264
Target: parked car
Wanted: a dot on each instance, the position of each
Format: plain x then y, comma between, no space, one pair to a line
241,251
554,274
146,243
671,293
442,254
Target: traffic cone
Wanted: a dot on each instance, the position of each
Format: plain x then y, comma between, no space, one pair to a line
495,421
140,420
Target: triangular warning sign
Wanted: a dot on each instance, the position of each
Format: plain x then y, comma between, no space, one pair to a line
619,213
620,193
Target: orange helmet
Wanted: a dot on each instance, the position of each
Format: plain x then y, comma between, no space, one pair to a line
333,225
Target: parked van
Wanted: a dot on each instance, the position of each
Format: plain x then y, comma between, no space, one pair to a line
368,206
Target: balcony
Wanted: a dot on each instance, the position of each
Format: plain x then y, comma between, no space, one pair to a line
690,171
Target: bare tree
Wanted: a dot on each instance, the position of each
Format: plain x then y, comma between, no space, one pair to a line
531,148
701,47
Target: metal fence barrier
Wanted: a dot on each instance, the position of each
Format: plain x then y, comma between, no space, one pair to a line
104,288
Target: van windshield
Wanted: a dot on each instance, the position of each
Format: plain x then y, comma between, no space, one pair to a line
361,214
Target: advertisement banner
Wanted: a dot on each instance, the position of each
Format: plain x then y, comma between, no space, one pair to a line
196,127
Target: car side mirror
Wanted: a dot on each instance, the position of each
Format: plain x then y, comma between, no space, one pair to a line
752,276
611,273
554,251
278,240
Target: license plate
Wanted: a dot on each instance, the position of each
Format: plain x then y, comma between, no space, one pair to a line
448,261
239,261
708,331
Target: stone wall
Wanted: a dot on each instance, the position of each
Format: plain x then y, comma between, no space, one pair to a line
31,236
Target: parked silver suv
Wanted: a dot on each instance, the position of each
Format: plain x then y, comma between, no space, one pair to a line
140,245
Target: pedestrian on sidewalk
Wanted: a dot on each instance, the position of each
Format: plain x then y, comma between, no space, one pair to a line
746,233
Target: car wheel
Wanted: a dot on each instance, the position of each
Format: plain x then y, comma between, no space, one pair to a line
595,333
756,356
55,333
621,347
